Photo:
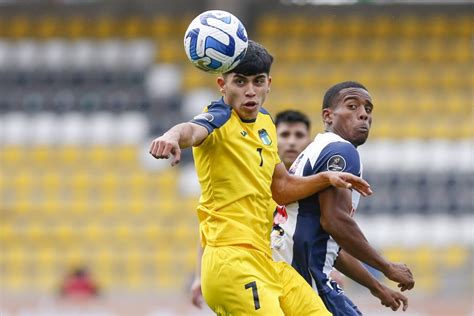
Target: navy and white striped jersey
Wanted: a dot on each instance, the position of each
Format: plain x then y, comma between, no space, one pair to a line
297,236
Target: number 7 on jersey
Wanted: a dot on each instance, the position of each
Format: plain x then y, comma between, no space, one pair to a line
260,149
253,285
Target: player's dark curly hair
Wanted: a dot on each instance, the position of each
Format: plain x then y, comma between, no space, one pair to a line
257,60
334,90
291,116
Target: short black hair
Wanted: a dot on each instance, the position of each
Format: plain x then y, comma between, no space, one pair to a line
257,60
334,90
292,116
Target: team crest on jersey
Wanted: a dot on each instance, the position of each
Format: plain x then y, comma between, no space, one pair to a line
265,137
204,116
336,163
280,216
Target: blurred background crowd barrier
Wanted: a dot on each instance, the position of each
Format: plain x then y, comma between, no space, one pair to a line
85,86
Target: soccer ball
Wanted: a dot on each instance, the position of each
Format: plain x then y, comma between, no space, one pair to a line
215,41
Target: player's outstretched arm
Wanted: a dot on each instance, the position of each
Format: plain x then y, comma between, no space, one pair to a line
353,269
336,220
180,136
288,188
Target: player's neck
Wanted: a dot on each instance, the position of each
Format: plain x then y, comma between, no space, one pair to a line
327,130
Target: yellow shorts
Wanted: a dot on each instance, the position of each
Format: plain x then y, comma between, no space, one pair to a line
238,280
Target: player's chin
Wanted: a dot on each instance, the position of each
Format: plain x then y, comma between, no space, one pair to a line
361,138
249,113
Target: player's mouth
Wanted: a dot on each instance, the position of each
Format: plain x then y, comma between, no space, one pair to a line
363,129
291,152
250,104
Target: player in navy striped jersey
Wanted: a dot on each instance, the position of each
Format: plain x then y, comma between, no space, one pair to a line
318,232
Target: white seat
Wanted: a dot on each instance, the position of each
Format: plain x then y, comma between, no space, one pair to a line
25,54
6,57
54,54
15,128
194,101
163,81
101,128
110,54
133,128
72,128
43,128
83,54
138,54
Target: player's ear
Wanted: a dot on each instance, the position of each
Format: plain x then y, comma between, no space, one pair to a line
269,83
221,83
327,116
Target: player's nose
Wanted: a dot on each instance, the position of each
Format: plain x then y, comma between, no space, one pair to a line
363,115
250,91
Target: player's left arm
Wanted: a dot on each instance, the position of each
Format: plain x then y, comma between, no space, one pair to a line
336,221
196,291
288,188
354,269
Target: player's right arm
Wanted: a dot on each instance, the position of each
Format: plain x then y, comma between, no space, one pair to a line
353,269
287,188
336,206
180,136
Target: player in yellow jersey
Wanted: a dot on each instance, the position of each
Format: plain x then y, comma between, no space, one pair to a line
235,152
293,134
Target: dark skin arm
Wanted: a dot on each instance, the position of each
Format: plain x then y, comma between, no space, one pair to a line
336,207
353,269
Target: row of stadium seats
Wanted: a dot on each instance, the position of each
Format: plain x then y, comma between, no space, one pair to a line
105,194
378,25
100,27
72,128
147,268
133,268
90,54
422,193
441,78
76,26
132,127
111,180
138,54
369,50
39,103
90,99
42,78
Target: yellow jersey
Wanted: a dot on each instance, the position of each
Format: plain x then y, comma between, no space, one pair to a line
235,166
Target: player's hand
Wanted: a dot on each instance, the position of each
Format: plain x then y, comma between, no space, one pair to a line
346,180
400,273
196,293
390,298
165,146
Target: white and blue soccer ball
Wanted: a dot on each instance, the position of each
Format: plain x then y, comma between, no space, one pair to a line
215,41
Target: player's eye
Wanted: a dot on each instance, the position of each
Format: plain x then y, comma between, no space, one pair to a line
368,109
299,135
